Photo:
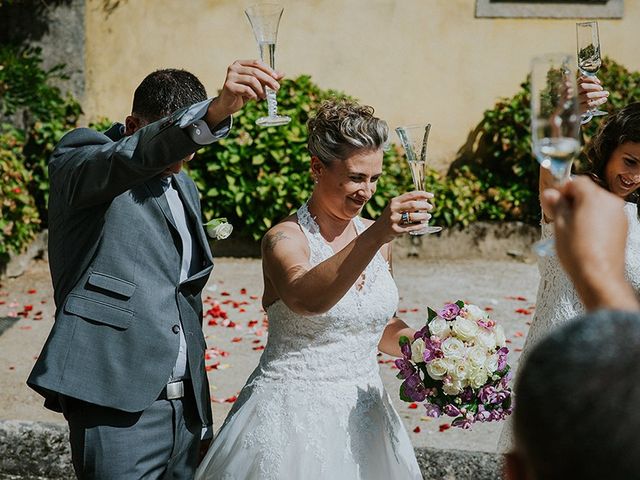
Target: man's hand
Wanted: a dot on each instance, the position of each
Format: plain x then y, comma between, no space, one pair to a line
591,235
246,80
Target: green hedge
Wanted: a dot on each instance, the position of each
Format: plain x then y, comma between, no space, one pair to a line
19,220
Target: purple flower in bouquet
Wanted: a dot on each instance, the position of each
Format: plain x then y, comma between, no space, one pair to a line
487,395
483,415
449,312
451,410
502,358
432,349
406,368
462,422
423,333
414,388
466,395
405,348
432,410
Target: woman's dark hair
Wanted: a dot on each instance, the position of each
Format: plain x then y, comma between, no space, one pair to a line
620,127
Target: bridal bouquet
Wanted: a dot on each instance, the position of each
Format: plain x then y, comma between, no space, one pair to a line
457,365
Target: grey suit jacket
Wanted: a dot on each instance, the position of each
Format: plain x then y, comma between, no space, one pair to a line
114,256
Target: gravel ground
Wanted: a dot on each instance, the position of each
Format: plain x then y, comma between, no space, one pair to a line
508,288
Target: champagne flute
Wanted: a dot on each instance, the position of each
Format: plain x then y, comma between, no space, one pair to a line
264,20
414,140
555,121
589,61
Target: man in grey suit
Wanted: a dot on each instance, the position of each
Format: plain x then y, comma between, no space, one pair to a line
129,258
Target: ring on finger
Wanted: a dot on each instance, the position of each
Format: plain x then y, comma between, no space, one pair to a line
405,218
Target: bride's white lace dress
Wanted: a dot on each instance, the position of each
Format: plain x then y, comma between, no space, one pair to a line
315,407
557,300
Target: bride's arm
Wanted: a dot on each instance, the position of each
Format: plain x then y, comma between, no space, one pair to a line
307,290
396,327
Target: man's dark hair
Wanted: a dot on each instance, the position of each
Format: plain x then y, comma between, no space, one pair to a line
577,412
164,91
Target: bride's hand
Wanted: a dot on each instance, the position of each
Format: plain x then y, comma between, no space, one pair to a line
404,214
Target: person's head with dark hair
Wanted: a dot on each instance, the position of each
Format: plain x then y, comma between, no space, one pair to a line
159,95
577,397
164,91
614,153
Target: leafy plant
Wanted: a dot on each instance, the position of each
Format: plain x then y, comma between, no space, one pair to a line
19,219
257,176
28,96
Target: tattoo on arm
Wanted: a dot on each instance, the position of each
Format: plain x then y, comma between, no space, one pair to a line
273,239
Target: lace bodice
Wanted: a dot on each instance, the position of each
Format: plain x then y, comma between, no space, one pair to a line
330,346
315,406
557,299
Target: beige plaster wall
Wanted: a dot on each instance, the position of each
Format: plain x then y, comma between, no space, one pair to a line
413,60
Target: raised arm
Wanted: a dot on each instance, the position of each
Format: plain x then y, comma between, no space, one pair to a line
311,290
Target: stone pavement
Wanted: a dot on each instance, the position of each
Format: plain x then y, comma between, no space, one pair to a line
505,288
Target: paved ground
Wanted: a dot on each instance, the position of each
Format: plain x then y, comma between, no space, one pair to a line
506,288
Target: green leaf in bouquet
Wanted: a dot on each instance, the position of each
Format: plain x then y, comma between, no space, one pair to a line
460,303
403,396
431,314
404,340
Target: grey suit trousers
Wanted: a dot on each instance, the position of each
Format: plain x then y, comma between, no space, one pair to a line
162,442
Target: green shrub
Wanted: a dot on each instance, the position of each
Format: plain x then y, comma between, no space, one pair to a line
257,176
27,92
19,220
498,155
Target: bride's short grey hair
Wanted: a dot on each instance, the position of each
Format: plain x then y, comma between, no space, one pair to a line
341,127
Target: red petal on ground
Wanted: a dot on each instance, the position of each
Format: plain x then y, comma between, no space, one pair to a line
488,309
413,405
415,309
28,308
517,349
212,323
243,291
38,317
25,327
12,368
518,334
236,339
2,302
259,347
213,366
253,297
231,324
32,291
403,310
231,399
252,323
225,294
523,311
241,310
508,341
256,341
43,301
416,430
444,426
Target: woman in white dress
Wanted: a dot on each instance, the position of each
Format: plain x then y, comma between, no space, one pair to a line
315,407
614,163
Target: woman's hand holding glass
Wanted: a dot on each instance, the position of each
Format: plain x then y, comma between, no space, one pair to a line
405,213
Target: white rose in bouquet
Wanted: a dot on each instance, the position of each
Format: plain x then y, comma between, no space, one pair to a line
475,313
460,372
453,348
477,356
487,339
417,351
452,387
491,364
478,378
440,328
437,368
465,328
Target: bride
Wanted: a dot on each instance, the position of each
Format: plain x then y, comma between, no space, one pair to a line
315,407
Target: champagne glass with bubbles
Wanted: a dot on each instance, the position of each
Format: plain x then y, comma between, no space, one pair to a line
264,20
589,61
414,140
555,121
